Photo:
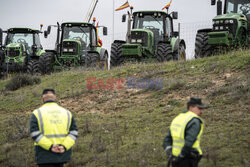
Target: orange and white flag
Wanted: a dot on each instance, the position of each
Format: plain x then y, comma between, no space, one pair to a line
125,5
168,5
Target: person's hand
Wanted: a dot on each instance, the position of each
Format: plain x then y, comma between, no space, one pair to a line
55,148
61,149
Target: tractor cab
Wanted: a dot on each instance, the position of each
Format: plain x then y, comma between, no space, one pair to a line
238,6
77,39
233,25
21,45
75,42
151,24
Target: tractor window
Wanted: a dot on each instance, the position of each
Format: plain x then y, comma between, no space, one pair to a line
78,33
94,42
23,38
238,6
168,26
150,21
37,40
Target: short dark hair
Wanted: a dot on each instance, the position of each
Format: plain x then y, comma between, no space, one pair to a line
45,91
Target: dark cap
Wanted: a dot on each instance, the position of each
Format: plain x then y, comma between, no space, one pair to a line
45,91
197,101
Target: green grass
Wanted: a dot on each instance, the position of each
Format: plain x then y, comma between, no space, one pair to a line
126,127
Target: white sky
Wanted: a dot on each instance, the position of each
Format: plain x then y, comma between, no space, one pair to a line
193,14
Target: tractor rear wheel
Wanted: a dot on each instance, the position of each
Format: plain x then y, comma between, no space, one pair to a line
46,61
33,66
116,54
164,52
202,48
92,60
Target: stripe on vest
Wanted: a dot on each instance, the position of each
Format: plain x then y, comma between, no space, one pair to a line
72,136
39,138
68,120
40,120
55,136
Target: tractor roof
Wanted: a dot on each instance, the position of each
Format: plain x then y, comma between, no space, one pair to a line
22,30
150,11
78,24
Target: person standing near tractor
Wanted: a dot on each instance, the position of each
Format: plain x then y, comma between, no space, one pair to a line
182,143
54,132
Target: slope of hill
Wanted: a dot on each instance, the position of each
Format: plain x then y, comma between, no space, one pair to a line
126,127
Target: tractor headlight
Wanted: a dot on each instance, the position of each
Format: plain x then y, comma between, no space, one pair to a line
65,50
133,40
221,27
226,21
216,27
217,22
71,50
139,40
231,21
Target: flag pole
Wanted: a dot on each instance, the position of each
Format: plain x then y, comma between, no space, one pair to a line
113,20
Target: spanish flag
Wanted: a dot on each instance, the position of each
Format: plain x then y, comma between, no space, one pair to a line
126,5
167,6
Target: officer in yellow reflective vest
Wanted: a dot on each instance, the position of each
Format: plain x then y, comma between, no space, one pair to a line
182,142
54,132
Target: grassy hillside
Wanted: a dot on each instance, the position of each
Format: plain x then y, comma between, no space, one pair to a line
126,127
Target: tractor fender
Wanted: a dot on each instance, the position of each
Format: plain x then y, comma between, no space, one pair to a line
120,41
102,53
179,42
204,30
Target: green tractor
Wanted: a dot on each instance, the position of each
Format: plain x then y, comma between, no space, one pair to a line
151,37
76,45
21,50
231,29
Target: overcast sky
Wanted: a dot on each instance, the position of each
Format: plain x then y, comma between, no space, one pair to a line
31,13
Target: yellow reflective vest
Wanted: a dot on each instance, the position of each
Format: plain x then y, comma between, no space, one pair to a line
54,123
177,129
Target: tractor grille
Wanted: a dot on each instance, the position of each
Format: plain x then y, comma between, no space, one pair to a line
139,35
222,26
13,52
70,48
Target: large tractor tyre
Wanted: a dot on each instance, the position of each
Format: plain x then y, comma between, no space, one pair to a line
116,54
164,52
242,38
182,53
92,60
33,67
46,61
202,48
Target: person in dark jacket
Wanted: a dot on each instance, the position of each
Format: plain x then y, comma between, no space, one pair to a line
182,143
54,132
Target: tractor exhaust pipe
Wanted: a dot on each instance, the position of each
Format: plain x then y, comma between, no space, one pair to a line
219,7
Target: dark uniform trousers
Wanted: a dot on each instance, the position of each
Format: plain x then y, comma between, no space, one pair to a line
186,162
50,165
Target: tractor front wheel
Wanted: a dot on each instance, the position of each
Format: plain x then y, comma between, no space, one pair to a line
164,52
116,54
92,60
46,61
202,48
33,67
